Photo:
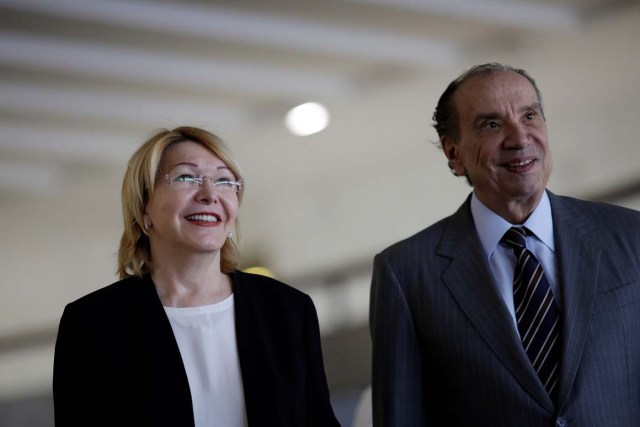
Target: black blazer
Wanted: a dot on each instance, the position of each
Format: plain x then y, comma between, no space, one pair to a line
117,362
445,350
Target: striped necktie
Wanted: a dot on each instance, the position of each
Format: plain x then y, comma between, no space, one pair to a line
536,310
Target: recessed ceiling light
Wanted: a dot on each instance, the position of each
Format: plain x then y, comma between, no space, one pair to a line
307,119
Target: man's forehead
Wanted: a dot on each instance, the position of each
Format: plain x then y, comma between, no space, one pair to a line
477,91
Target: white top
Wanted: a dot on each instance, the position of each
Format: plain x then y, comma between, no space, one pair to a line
207,341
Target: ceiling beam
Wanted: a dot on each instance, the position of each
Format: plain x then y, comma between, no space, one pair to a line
521,14
22,177
68,144
219,23
117,107
132,65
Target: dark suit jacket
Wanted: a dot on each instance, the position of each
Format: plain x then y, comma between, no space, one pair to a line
117,362
446,352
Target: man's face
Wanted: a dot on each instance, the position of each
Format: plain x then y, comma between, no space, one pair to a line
502,145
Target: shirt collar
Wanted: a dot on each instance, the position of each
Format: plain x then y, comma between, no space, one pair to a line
491,226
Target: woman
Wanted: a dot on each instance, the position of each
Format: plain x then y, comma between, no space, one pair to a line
184,338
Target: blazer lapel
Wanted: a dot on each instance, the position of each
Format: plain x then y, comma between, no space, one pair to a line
481,302
578,263
252,353
171,392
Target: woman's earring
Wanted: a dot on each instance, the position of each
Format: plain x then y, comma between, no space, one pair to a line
230,234
146,226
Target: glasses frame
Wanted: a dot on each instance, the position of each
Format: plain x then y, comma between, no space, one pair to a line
199,182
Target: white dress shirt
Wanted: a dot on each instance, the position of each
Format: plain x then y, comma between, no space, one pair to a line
491,227
206,338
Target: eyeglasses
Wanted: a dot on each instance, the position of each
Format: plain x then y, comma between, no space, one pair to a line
185,181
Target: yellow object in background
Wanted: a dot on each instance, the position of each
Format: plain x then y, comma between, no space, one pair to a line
264,271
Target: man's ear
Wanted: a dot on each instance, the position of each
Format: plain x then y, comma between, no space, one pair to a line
451,150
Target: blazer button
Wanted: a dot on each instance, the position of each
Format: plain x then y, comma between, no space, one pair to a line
561,422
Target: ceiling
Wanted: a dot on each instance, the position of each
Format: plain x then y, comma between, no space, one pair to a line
83,83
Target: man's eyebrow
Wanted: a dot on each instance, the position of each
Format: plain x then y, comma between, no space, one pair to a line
492,115
485,116
534,106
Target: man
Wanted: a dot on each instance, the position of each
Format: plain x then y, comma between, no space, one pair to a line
540,327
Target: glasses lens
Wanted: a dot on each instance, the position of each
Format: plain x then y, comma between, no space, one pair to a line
183,181
227,185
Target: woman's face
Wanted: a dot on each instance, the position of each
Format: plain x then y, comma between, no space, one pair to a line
184,221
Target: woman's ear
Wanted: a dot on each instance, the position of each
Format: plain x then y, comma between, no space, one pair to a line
146,222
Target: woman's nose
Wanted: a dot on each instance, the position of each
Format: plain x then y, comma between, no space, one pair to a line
208,192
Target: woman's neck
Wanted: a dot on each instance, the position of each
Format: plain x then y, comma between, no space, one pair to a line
190,285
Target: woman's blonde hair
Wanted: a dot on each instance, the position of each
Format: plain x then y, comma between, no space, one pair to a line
134,254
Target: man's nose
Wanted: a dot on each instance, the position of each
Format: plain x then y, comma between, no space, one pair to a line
517,136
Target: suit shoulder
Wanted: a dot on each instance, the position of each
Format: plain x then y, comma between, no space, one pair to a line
264,286
425,239
108,296
604,214
268,298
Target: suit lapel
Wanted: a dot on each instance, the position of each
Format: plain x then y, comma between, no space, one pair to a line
578,263
481,302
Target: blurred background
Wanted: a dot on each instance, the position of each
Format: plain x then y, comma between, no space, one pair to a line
84,83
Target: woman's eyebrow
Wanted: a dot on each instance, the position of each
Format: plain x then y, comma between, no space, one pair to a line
185,164
196,166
